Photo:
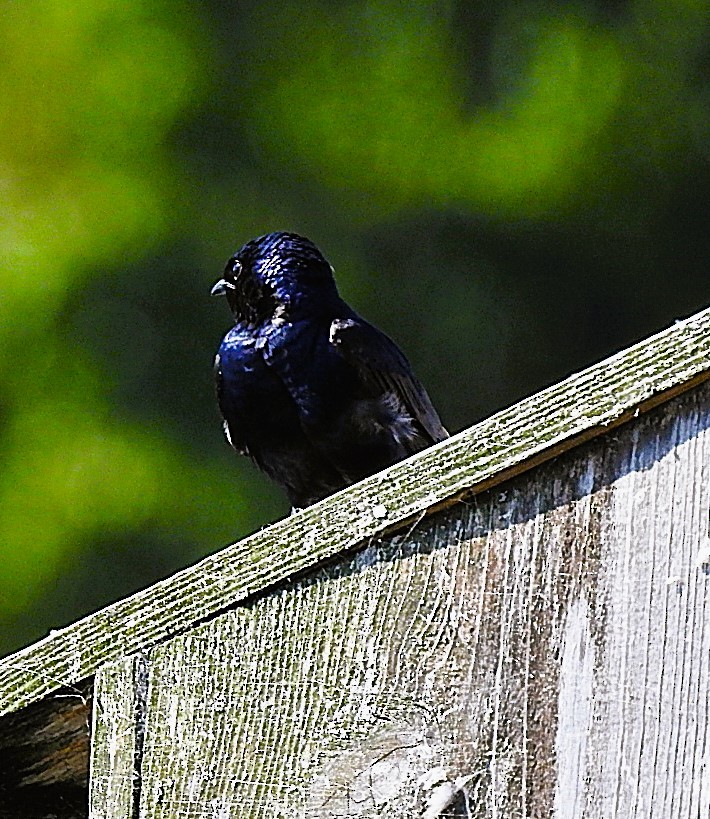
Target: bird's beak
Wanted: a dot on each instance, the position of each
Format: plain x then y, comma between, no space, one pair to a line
221,287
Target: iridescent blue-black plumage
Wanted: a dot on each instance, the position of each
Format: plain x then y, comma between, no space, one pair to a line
312,393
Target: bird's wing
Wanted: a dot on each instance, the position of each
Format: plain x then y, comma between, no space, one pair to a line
218,379
382,365
219,388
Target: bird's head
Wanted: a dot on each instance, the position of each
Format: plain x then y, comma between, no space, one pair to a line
276,272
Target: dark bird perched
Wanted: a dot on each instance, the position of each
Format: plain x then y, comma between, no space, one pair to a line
313,394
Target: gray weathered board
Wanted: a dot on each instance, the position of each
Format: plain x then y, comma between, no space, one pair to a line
511,622
539,650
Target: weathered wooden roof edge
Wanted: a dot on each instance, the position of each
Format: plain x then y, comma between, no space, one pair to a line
535,429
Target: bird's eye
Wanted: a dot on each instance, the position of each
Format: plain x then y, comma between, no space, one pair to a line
234,267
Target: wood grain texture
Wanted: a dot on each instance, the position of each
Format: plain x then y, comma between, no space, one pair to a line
48,742
539,650
44,750
117,737
536,429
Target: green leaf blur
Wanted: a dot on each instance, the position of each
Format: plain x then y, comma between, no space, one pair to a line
512,192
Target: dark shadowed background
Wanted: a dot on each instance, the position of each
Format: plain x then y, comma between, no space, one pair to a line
512,191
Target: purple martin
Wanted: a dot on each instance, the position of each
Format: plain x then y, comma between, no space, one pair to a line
312,393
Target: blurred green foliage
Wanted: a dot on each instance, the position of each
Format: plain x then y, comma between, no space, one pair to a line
512,191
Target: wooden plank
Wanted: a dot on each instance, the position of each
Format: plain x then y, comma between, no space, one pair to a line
44,751
544,650
536,429
48,743
117,738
